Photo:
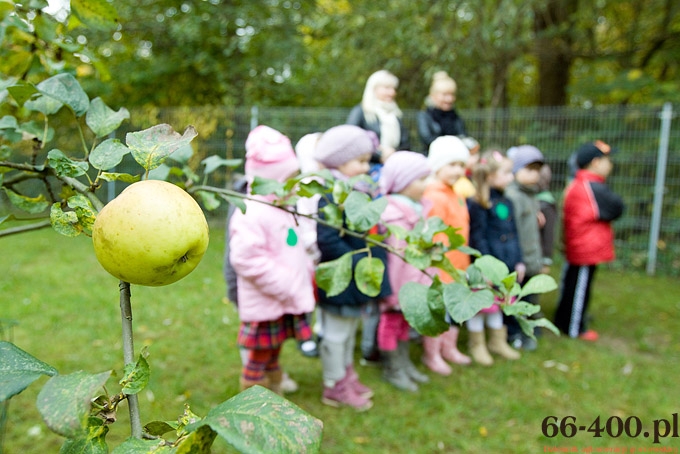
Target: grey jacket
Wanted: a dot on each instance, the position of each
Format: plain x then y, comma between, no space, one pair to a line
526,207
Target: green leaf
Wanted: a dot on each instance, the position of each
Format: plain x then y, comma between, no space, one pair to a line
158,428
136,376
469,251
162,172
198,441
103,120
8,122
45,27
22,91
340,191
335,275
44,104
492,268
182,155
462,303
423,308
33,205
65,166
209,200
264,186
310,188
138,446
362,212
64,222
541,283
37,130
368,275
19,369
84,211
332,214
91,442
417,257
521,308
97,14
545,323
214,162
257,420
64,401
152,146
124,177
108,154
238,202
66,89
509,281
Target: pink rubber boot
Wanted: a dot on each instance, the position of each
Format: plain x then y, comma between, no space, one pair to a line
450,350
432,357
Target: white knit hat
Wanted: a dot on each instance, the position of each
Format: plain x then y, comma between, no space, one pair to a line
445,150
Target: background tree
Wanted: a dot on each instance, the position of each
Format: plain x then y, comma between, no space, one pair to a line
319,53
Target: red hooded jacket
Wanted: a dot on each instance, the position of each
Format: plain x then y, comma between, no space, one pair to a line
589,208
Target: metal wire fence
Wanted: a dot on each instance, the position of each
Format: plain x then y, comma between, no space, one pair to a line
648,235
646,173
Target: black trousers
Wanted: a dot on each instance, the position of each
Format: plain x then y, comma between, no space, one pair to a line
570,316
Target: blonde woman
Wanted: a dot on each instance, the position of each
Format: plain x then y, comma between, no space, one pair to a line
379,112
439,117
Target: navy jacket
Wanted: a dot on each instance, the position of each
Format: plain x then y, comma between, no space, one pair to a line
493,231
332,246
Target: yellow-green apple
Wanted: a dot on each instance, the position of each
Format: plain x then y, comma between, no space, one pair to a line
154,233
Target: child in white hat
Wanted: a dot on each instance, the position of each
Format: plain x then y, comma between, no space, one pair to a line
447,159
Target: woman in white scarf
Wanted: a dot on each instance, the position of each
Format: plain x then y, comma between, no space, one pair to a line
378,112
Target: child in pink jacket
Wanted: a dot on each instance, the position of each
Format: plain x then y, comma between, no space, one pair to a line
403,181
272,267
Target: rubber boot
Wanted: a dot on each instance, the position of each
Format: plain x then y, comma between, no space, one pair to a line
361,389
450,350
275,377
245,383
342,394
394,372
339,393
432,357
498,344
478,351
410,368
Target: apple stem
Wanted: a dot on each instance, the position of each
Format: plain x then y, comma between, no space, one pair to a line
129,355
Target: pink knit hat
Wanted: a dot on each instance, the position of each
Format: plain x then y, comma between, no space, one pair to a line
401,169
269,154
341,144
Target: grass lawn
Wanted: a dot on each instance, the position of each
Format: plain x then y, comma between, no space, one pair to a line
67,309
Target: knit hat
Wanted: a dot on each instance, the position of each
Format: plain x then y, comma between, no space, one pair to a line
341,144
269,154
590,151
445,150
304,150
524,155
401,169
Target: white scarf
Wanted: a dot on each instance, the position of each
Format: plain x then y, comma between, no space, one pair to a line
390,130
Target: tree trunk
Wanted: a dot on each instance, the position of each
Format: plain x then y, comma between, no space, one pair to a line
553,50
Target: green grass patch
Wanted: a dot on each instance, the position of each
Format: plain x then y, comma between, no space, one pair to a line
68,314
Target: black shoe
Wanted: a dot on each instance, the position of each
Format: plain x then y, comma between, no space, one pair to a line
371,359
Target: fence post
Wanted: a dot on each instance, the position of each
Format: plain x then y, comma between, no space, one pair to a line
661,159
254,120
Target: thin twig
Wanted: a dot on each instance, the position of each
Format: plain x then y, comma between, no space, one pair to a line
129,355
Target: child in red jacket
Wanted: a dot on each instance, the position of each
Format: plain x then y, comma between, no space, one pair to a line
589,208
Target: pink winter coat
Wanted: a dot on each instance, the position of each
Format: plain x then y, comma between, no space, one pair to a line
401,212
274,272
